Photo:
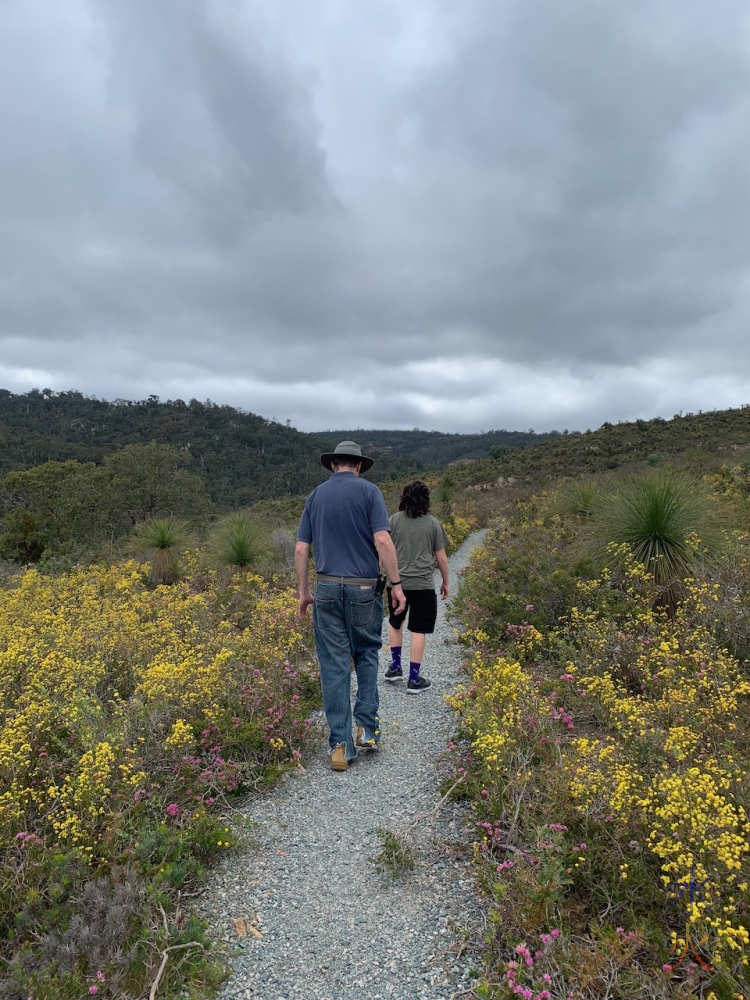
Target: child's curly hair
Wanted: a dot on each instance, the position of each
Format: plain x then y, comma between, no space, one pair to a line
415,499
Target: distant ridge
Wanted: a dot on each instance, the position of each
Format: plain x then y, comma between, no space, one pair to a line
242,457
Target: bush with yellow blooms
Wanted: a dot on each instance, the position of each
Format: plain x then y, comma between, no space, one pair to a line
606,747
129,715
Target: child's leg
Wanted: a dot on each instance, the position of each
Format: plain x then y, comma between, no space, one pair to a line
416,652
416,646
395,640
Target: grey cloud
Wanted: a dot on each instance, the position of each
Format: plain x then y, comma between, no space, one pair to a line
219,198
587,115
215,119
197,142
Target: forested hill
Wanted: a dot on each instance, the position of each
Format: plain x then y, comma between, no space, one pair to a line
433,449
241,457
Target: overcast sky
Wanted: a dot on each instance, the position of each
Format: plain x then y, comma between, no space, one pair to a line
372,213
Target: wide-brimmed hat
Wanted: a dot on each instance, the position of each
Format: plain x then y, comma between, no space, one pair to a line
347,449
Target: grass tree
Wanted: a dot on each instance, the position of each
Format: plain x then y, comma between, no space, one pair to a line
239,541
161,538
664,519
445,494
578,498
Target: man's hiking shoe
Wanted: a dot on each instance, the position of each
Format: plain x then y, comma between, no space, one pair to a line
416,687
363,744
338,758
394,675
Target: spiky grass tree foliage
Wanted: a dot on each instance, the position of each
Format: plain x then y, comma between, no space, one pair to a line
239,541
160,538
661,518
578,498
445,494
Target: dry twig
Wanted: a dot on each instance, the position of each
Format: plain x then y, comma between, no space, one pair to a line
436,809
165,958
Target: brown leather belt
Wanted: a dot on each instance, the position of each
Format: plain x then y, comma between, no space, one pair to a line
349,581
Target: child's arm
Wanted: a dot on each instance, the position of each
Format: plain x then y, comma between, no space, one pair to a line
442,561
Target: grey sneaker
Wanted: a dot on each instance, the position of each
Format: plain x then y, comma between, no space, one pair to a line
416,687
394,675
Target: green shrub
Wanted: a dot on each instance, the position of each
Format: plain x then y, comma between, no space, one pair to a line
578,498
396,855
238,540
525,574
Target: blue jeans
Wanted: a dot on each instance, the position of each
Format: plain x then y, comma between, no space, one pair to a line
348,622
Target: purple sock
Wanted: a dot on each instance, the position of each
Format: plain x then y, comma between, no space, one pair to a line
395,657
414,672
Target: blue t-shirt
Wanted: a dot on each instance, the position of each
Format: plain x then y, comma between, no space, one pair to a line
339,520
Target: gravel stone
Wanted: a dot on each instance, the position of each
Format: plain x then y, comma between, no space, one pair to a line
333,926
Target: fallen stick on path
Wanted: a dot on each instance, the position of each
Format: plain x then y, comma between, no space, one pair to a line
436,809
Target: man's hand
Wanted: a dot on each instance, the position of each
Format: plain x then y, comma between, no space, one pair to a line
398,599
302,566
445,590
388,560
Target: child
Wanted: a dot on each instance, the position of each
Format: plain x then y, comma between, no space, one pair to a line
420,539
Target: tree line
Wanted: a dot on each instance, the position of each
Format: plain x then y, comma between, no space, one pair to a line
240,457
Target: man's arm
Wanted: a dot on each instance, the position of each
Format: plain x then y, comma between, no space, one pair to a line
302,566
389,561
442,561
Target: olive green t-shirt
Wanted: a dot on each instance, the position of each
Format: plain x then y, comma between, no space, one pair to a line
417,539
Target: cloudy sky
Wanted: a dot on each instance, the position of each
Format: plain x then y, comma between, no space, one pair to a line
371,213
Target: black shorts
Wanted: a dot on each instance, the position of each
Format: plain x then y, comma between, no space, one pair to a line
422,608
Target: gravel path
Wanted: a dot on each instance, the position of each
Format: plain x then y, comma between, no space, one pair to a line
332,925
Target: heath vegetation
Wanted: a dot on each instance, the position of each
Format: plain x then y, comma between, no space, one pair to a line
607,738
131,714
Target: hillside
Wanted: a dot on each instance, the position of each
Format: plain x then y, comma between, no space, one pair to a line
407,450
703,441
242,458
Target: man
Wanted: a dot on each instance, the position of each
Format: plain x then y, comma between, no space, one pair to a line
420,541
346,522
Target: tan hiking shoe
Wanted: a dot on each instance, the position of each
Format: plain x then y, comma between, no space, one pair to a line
363,744
338,758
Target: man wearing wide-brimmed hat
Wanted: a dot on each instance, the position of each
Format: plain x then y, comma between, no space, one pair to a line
346,522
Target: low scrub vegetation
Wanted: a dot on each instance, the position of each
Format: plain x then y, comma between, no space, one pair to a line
607,738
131,713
